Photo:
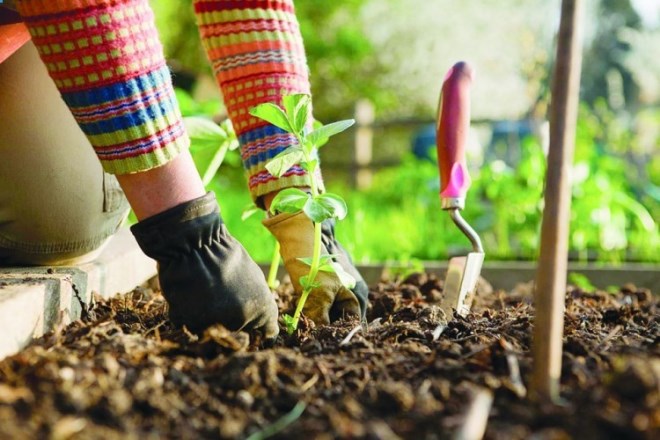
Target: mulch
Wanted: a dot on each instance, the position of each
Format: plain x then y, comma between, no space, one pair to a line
124,372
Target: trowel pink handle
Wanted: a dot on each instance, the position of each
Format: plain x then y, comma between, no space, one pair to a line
452,131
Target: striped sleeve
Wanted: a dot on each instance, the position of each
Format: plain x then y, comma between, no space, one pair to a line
257,55
106,59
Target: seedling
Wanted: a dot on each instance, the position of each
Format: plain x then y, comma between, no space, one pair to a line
293,117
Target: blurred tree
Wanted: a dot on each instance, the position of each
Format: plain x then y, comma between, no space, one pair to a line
341,58
178,32
605,72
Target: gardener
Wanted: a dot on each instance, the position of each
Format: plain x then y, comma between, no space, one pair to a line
109,87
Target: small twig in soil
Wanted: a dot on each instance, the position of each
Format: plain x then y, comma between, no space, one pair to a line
367,378
310,383
156,330
191,337
375,323
350,335
475,335
514,369
438,331
324,372
615,331
280,424
478,349
476,418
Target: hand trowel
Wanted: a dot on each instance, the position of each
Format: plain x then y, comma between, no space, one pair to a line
451,139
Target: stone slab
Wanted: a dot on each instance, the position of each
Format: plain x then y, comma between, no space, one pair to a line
33,300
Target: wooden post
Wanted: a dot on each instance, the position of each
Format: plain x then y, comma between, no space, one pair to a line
363,148
553,261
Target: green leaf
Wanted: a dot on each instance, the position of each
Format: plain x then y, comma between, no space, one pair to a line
637,209
317,211
306,283
334,204
325,259
344,277
214,164
281,163
309,148
187,104
249,211
321,135
290,323
227,126
310,165
269,112
289,200
581,281
204,133
326,268
297,110
325,206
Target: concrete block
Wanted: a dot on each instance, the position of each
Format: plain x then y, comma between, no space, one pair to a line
33,300
21,314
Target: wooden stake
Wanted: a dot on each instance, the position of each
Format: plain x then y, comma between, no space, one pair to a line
553,261
364,135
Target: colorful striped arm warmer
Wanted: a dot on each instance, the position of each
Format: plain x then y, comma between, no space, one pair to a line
107,61
257,55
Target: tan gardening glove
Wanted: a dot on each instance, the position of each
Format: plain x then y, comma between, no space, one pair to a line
332,300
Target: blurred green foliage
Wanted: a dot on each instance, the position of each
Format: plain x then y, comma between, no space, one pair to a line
604,60
399,217
616,188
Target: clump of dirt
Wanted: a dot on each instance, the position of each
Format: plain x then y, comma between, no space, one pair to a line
124,372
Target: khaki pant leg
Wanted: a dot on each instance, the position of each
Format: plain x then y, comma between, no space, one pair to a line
56,204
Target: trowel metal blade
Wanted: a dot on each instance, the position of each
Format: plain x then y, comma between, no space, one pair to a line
460,283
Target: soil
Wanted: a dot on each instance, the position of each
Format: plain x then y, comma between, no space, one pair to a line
124,372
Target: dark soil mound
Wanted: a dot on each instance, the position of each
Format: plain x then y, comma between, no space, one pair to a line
124,372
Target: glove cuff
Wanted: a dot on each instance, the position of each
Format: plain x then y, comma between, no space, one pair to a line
188,224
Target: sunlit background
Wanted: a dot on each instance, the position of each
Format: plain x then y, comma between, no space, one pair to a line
390,56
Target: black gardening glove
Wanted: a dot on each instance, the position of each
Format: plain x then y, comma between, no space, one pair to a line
206,275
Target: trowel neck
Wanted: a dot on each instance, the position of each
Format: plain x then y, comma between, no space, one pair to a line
452,203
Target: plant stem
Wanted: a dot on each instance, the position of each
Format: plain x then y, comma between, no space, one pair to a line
316,252
215,163
274,264
316,257
313,271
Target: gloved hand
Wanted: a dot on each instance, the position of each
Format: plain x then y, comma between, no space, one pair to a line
206,275
330,301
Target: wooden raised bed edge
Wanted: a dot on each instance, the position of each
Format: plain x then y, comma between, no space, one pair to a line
507,274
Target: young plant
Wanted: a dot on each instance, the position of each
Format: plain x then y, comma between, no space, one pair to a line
293,117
